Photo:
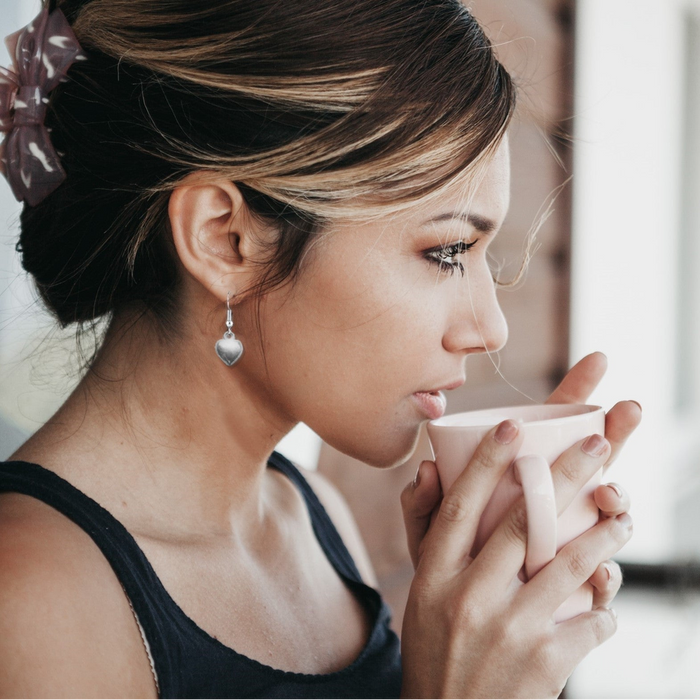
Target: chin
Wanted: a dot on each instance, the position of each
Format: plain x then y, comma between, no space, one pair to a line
383,452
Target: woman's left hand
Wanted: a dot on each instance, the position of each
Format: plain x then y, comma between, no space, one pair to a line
421,499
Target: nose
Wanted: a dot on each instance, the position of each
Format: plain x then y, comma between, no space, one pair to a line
477,324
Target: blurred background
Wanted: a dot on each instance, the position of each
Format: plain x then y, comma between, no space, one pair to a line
607,142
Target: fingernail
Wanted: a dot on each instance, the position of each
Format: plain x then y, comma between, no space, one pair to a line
614,612
608,571
595,446
506,432
416,478
637,402
616,489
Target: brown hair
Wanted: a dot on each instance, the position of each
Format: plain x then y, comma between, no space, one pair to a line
310,107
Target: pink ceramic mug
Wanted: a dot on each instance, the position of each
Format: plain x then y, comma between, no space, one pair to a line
548,430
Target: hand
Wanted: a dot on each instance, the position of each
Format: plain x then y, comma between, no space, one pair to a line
471,627
620,421
421,499
580,382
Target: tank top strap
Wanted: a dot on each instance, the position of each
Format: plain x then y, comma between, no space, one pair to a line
323,526
186,661
134,571
117,543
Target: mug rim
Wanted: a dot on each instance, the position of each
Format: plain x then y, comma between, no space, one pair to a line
439,423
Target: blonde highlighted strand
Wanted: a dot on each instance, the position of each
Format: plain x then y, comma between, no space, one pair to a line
317,112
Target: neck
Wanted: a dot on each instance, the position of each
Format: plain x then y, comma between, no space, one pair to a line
179,436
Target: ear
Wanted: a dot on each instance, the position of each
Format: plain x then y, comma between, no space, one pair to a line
214,234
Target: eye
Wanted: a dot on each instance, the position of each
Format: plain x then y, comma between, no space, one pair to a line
442,256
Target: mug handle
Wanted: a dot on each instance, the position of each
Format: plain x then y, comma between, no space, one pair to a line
536,479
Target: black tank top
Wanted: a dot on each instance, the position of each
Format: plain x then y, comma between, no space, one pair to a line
189,663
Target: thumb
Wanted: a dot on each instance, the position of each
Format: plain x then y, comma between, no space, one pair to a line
418,501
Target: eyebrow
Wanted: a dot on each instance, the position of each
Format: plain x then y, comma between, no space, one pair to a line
480,223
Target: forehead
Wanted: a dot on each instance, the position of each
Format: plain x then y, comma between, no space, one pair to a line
487,194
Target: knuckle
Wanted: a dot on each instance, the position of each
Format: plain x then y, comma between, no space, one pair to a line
516,524
481,460
454,508
566,466
579,564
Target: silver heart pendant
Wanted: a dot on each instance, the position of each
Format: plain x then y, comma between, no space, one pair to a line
230,350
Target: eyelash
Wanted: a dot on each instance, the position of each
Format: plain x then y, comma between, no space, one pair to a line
439,256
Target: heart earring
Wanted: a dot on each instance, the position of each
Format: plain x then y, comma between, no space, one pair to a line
229,349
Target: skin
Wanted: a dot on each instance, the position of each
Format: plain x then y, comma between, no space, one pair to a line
175,444
422,498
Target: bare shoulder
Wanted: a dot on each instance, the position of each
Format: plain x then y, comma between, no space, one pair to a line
66,627
344,521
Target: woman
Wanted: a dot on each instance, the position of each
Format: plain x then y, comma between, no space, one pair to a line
324,180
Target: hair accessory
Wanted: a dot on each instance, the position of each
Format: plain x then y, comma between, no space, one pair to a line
229,348
42,52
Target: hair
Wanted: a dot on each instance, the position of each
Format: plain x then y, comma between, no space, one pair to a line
315,110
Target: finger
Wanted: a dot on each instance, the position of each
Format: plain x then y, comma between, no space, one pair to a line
503,554
576,562
620,422
418,501
450,539
581,380
576,638
606,582
433,515
611,499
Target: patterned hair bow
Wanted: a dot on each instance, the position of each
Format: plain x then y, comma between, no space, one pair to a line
42,53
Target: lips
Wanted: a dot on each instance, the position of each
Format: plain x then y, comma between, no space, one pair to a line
447,387
431,404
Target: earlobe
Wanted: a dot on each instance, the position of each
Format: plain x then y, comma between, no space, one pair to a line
211,233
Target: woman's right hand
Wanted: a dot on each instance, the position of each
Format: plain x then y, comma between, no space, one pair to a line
471,627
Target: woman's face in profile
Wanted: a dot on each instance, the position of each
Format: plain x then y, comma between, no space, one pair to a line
381,312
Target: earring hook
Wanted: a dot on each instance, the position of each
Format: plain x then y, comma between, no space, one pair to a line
229,316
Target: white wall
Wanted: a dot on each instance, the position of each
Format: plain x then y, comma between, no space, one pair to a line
629,223
627,178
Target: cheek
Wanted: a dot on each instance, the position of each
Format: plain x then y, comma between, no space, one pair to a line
347,348
351,385
351,336
357,313
382,330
